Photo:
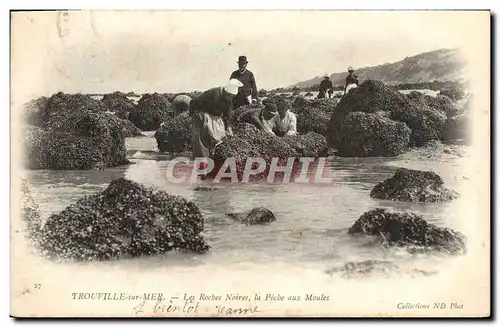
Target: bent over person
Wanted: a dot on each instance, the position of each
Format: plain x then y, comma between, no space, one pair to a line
211,114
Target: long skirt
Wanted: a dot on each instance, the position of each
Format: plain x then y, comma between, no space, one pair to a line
207,132
350,87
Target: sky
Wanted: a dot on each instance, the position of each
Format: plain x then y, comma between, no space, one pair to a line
176,51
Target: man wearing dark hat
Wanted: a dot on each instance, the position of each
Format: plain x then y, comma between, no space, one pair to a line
249,89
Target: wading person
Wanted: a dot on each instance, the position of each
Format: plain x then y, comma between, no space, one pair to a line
264,119
249,88
324,87
351,81
211,114
286,123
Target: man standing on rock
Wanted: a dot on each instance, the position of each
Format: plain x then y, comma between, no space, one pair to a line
324,86
249,88
351,81
211,114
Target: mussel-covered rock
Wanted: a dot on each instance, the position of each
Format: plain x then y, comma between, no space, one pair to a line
313,115
372,96
371,135
126,219
118,103
413,186
407,229
247,142
259,215
84,149
308,145
151,111
441,103
174,136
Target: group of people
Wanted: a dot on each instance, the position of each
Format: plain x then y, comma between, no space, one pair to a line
212,110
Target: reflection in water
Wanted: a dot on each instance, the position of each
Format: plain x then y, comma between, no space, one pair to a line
312,219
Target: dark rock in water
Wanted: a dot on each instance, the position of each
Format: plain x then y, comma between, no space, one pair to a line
33,111
413,186
370,135
73,131
247,142
174,135
118,103
205,188
407,229
313,115
372,96
259,215
30,213
308,145
126,219
151,111
64,111
128,129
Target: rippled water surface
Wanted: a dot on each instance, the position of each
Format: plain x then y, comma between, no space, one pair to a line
312,220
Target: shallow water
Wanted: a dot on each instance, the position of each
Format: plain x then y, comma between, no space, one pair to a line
312,220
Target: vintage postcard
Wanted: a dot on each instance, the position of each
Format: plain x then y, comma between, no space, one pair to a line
229,164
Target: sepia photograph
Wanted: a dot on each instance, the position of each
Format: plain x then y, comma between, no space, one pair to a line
250,163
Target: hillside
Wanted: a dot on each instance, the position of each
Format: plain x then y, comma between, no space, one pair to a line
439,65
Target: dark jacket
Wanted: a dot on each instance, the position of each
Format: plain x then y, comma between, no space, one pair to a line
351,79
325,85
249,86
212,102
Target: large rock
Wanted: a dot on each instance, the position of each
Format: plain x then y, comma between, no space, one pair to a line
151,111
174,136
118,103
308,145
94,145
33,111
407,229
372,96
126,219
413,186
440,103
371,135
256,216
313,115
247,142
128,129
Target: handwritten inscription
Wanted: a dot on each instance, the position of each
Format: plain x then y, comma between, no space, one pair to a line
228,304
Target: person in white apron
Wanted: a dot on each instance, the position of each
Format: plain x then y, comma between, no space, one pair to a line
286,120
211,114
351,81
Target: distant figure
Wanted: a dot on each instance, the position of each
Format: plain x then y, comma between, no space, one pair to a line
249,88
181,104
286,121
324,86
351,81
211,114
264,119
